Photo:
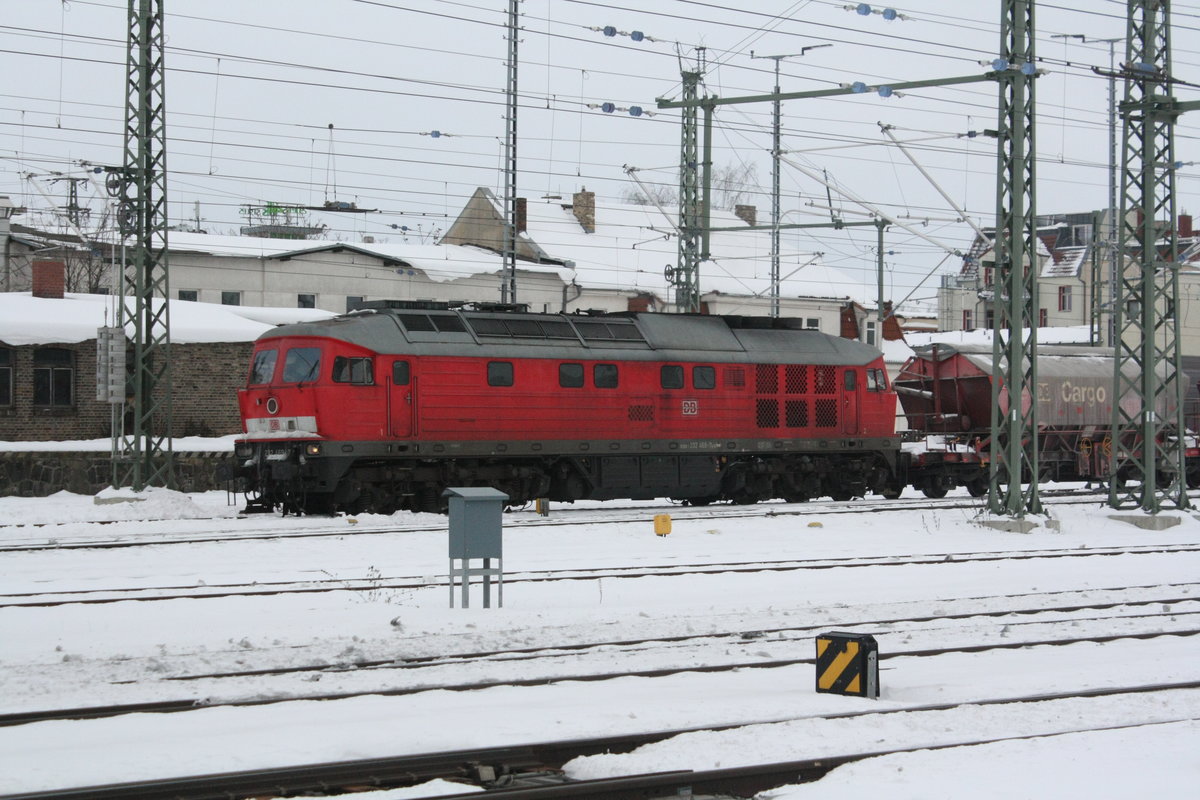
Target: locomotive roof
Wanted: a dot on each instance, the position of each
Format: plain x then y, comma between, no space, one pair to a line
627,337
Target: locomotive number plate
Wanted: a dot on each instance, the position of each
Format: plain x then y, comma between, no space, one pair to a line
691,408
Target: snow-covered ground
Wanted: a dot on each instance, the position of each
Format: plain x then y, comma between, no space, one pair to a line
123,652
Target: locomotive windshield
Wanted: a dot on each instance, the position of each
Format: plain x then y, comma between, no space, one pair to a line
302,364
264,367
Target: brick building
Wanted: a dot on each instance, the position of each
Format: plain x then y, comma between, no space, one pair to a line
48,362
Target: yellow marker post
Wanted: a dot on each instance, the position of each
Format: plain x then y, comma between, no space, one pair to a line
848,663
662,524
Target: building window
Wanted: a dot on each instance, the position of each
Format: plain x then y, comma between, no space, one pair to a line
1064,298
604,376
191,295
6,377
812,324
353,302
1043,318
231,298
989,319
570,376
704,377
306,301
671,376
53,377
987,276
500,373
968,320
871,328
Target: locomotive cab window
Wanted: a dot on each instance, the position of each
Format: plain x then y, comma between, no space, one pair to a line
400,373
500,373
876,381
604,376
263,368
704,378
353,370
851,380
671,376
570,376
302,365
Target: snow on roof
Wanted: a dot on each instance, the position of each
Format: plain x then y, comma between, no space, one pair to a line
1069,334
438,262
25,319
632,245
1066,262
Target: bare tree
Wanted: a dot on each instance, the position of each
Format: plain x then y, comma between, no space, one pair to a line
655,193
733,184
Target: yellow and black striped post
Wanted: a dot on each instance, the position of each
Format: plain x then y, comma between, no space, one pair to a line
848,663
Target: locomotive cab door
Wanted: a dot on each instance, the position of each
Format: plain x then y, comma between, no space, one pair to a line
850,408
401,405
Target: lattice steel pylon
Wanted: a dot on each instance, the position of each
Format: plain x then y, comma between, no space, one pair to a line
144,456
1015,291
1147,464
693,218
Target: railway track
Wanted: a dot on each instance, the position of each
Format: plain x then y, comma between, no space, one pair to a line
1173,616
381,583
562,516
535,771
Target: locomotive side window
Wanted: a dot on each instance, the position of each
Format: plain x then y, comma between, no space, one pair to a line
264,367
570,376
302,364
875,380
400,373
500,373
604,376
671,376
353,370
851,380
704,378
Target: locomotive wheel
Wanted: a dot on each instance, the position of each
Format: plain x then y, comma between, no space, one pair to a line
977,487
934,491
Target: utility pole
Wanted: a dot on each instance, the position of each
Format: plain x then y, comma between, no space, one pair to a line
1147,467
508,281
776,121
144,454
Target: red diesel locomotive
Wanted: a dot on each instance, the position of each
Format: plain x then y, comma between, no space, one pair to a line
385,408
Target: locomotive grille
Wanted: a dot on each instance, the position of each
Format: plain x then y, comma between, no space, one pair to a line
735,376
825,380
766,379
796,413
825,413
767,413
641,413
796,379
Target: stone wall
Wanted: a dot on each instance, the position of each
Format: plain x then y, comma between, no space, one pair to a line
40,474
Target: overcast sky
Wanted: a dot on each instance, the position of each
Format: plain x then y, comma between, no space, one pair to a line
253,88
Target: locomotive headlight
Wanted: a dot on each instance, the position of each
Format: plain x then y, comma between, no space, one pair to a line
313,449
243,450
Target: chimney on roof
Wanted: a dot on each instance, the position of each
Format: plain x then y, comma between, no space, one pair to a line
583,204
1185,226
748,214
49,279
521,215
